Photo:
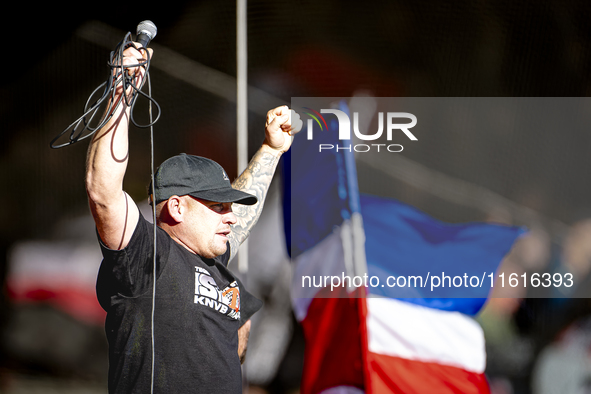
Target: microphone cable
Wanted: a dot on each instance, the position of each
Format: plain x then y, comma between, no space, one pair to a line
154,229
81,129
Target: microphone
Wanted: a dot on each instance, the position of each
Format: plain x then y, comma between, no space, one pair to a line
146,31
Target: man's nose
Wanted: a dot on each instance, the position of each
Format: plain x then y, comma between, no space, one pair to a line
229,218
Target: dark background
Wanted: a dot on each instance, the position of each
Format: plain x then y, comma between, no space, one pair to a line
330,48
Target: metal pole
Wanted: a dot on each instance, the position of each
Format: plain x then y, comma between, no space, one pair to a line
242,108
242,127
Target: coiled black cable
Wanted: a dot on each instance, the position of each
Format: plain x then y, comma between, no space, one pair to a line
81,128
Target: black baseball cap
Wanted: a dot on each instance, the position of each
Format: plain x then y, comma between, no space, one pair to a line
198,177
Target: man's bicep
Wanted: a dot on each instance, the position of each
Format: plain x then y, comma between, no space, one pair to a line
116,221
243,334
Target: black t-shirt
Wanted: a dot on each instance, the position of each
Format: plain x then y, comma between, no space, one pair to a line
197,315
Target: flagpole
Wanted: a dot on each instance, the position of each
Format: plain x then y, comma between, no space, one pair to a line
242,126
242,108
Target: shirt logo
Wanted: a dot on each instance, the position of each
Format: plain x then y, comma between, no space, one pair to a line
207,293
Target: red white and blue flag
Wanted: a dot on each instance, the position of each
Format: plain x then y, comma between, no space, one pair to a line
382,334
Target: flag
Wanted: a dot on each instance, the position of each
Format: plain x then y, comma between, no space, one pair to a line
418,345
61,274
366,328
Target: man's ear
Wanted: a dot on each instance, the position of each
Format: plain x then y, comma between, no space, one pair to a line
175,207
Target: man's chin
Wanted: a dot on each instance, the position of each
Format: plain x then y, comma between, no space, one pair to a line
220,248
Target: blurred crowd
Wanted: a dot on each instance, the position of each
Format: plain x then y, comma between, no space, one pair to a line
538,338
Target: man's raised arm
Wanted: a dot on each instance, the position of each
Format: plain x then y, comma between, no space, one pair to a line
114,212
257,177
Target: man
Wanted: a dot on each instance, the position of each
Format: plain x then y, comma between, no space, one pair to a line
197,301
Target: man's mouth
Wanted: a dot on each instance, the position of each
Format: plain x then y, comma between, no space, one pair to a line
224,233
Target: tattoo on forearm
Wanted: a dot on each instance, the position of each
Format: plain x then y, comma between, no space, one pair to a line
255,180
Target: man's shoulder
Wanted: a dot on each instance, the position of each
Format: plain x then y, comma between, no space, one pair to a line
129,270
